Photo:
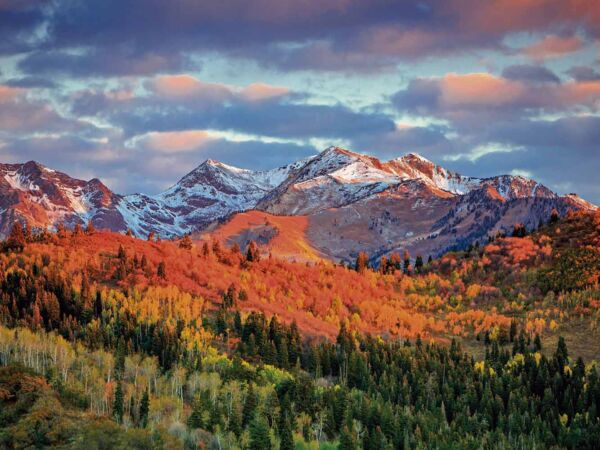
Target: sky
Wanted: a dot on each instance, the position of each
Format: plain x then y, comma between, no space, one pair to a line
140,92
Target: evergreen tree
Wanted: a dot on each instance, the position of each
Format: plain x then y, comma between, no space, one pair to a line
260,438
249,406
195,420
419,263
347,440
120,360
118,405
406,262
144,409
286,436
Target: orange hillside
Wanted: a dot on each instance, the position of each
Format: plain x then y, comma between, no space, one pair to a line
282,236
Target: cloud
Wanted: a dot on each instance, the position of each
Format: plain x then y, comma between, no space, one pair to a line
475,99
256,92
584,73
187,88
21,113
31,82
553,47
559,153
121,37
530,73
174,141
427,140
117,60
120,168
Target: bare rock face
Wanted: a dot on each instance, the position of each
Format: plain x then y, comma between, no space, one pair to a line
350,202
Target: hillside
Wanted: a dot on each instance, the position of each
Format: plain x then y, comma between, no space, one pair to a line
465,294
118,342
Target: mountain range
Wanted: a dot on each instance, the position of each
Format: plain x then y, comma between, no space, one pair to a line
332,205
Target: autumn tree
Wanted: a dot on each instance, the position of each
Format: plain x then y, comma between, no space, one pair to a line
406,262
186,242
16,239
362,262
252,252
161,270
90,229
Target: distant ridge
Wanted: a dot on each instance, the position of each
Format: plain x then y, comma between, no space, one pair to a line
351,200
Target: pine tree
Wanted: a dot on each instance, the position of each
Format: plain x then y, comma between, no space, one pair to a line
195,419
285,435
406,262
419,263
249,406
260,438
347,440
118,404
144,409
120,360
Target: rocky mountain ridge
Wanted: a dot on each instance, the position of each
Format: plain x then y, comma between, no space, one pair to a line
351,200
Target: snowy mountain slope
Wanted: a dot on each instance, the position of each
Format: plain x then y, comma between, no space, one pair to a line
45,198
211,191
349,202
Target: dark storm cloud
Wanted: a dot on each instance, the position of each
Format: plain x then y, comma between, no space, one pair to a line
116,61
534,74
18,22
148,35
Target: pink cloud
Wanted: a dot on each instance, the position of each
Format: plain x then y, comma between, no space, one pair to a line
8,93
261,91
187,87
552,47
477,98
175,141
478,89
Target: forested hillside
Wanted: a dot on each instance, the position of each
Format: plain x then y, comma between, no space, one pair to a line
108,341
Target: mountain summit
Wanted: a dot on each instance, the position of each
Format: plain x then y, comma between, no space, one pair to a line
350,201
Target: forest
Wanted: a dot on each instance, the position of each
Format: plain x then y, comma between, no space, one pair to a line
107,341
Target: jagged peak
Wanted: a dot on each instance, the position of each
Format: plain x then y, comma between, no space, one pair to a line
412,156
33,165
